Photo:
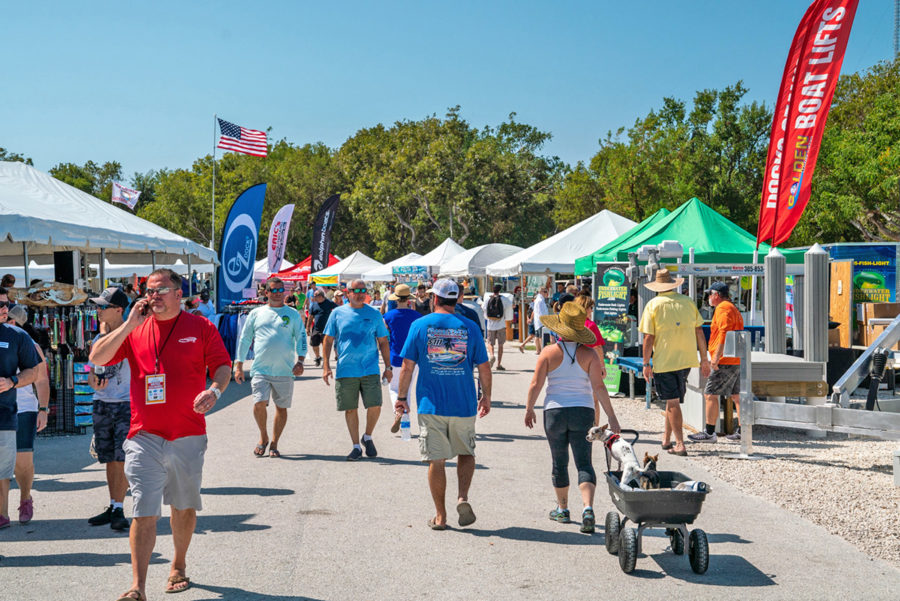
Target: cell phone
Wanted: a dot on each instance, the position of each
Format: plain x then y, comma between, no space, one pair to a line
145,309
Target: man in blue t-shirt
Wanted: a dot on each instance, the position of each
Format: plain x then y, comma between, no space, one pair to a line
359,332
17,354
446,347
398,322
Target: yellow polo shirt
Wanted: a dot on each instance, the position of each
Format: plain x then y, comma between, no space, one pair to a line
672,318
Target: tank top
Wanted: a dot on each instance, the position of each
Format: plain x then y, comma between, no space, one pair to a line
568,385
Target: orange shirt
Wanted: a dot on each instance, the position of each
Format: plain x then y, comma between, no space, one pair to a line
726,319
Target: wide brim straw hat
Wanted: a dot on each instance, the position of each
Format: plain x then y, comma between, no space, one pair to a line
570,324
402,290
664,281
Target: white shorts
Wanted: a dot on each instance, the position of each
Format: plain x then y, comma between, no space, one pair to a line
394,387
280,388
164,471
7,454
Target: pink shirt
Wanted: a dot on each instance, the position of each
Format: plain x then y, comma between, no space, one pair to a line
593,328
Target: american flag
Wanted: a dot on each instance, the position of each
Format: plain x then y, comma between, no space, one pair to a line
240,139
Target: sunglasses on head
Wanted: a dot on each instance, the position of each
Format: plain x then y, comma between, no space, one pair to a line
358,290
277,290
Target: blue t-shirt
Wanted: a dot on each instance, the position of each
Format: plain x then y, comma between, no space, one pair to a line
391,305
355,333
17,353
446,348
398,322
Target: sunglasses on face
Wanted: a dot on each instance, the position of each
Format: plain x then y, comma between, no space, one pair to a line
358,290
276,290
4,304
160,291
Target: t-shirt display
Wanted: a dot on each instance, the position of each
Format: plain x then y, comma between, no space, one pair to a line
356,332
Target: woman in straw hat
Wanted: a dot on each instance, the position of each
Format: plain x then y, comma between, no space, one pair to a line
575,392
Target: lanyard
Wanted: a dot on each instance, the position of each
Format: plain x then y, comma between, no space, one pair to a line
159,350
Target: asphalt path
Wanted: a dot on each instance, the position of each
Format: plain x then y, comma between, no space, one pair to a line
311,525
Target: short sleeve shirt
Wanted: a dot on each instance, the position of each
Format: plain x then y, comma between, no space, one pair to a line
398,322
446,348
118,381
726,319
17,353
320,313
356,333
187,347
672,319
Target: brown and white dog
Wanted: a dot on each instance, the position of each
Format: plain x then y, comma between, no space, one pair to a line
621,451
649,478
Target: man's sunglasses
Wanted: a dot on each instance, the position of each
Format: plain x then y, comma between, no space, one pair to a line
277,290
160,291
5,304
358,290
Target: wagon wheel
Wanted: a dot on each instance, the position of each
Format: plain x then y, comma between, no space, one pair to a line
612,532
698,551
627,549
676,539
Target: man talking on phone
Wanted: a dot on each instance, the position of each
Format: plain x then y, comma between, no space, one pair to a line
170,352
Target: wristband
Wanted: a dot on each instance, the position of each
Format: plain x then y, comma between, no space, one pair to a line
216,392
44,409
401,398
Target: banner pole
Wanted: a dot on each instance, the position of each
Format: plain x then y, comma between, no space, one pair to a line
212,227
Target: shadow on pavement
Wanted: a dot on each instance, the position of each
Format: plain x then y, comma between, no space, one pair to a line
508,437
721,537
724,570
541,536
62,486
227,592
216,523
505,405
93,560
79,529
232,394
244,490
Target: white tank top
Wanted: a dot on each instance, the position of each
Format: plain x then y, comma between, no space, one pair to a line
25,399
568,385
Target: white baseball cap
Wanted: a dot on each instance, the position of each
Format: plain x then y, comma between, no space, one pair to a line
445,288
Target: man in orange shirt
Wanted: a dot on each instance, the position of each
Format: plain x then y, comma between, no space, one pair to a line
725,377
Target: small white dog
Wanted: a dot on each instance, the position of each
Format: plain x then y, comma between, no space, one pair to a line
621,451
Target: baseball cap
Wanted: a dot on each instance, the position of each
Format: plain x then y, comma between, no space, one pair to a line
720,288
112,296
445,288
18,314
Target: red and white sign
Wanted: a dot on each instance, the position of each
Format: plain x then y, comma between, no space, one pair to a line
810,75
278,236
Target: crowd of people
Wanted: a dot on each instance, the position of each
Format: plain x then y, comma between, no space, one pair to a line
159,365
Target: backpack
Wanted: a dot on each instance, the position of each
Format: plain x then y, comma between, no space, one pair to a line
495,307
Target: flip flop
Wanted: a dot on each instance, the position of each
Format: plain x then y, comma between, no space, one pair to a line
173,580
273,453
260,449
126,596
668,446
466,515
435,526
681,453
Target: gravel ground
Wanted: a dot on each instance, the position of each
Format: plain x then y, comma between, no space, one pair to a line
844,484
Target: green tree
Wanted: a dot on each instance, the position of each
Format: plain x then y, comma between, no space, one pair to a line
91,177
7,155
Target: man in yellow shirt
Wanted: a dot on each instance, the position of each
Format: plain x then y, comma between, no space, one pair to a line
673,335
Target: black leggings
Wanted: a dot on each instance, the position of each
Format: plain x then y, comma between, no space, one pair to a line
567,427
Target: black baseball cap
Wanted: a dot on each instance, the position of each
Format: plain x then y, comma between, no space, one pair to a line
721,288
112,296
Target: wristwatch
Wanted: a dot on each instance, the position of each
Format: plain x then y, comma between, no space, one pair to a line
216,392
401,398
44,409
15,380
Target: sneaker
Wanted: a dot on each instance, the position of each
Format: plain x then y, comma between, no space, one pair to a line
101,519
26,511
560,515
395,427
703,437
501,368
370,448
117,519
318,361
4,522
735,436
354,455
587,521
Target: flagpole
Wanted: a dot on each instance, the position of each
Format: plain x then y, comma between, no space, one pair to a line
212,228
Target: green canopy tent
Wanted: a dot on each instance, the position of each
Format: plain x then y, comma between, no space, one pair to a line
585,265
695,225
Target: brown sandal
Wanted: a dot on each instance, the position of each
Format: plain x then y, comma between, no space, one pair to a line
173,580
126,596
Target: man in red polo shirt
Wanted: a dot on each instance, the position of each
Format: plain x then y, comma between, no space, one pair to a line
170,352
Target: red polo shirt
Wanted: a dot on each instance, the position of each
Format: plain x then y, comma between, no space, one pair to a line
187,347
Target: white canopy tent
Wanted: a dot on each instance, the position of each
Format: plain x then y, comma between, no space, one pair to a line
436,257
261,268
384,273
474,261
351,268
40,214
46,272
557,253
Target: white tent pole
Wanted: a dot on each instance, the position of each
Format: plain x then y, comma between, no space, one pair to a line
25,257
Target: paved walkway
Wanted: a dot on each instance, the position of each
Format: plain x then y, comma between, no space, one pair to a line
312,526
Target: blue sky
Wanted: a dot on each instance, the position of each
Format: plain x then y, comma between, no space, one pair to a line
139,82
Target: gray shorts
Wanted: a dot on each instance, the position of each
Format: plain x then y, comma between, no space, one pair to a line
280,388
498,336
726,380
444,437
164,471
7,454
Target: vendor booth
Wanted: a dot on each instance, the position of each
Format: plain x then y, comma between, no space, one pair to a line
351,268
428,265
385,272
300,272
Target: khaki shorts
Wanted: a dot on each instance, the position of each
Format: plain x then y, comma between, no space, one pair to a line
164,471
444,437
498,336
281,389
348,391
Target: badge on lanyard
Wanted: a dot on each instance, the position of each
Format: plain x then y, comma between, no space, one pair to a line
156,389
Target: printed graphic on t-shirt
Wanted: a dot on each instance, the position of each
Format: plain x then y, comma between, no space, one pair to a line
447,349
